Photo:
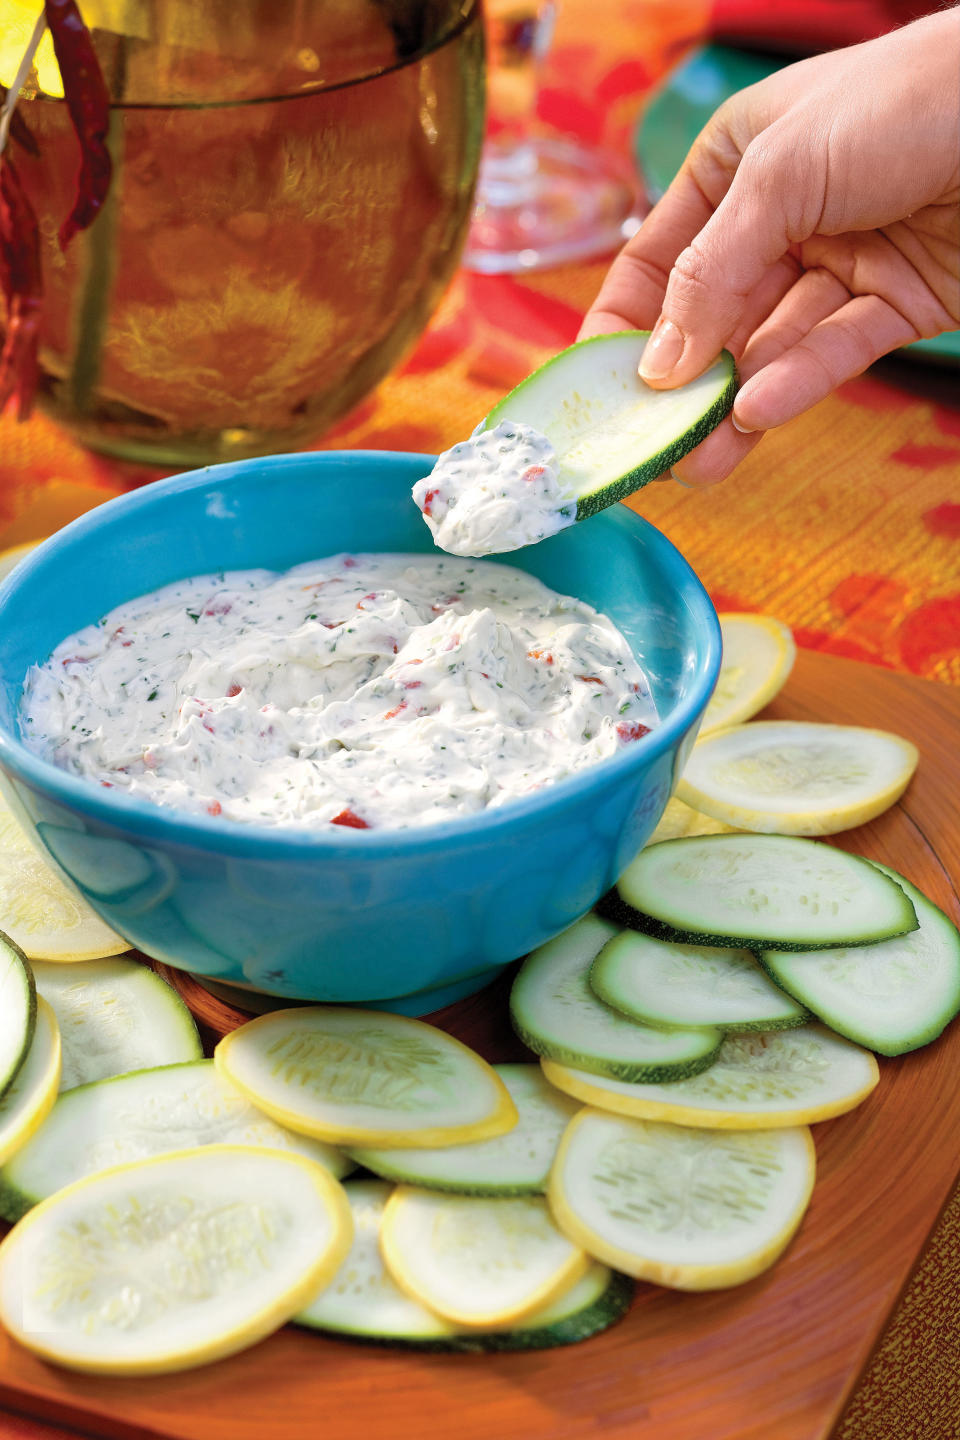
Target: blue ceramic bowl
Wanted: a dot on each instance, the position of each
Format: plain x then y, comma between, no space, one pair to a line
407,920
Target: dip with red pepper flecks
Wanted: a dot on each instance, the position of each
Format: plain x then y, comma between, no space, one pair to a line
363,691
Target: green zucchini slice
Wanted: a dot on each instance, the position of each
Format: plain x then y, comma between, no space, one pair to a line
18,1010
556,1013
516,1163
667,984
115,1016
774,892
138,1115
891,997
612,433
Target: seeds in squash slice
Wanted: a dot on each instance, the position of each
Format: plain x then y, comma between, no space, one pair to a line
115,1016
664,984
477,1261
30,1097
555,1013
758,1081
45,918
758,655
787,777
515,1163
18,1010
689,1209
136,1116
172,1262
364,1077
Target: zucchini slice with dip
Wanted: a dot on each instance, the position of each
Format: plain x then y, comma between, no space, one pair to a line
579,434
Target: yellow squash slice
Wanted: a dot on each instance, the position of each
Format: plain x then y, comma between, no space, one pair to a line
477,1261
767,1080
758,655
48,920
172,1262
690,1209
786,777
679,820
364,1077
30,1098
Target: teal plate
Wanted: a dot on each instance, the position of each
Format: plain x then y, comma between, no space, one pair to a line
680,108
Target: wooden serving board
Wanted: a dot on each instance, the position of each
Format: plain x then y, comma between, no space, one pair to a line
772,1360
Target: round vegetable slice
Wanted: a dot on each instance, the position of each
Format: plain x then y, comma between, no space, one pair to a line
364,1077
758,655
758,1082
365,1303
139,1115
479,1262
46,919
892,997
666,984
555,1013
788,777
612,433
18,1010
29,1099
678,820
115,1016
172,1262
690,1209
773,892
516,1163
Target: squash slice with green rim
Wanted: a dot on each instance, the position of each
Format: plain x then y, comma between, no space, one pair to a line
689,1209
18,1010
30,1098
758,655
662,984
759,1081
365,1077
611,432
516,1163
773,892
679,820
136,1116
891,997
790,777
172,1262
556,1013
115,1016
37,910
479,1262
363,1302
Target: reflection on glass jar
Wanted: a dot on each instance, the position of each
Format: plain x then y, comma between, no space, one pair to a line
291,189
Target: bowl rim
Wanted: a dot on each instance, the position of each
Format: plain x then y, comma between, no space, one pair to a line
163,824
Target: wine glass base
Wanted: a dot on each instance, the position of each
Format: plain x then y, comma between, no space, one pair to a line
548,202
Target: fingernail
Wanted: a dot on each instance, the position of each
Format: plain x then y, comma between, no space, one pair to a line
741,429
680,480
662,352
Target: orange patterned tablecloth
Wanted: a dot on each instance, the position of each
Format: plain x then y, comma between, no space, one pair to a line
845,523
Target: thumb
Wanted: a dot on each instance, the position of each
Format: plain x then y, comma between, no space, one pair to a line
713,279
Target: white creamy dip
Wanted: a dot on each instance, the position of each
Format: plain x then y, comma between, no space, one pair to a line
363,691
494,492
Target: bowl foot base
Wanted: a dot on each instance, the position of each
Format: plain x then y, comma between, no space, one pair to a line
422,1002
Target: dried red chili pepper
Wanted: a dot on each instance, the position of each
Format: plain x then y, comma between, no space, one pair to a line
22,285
88,101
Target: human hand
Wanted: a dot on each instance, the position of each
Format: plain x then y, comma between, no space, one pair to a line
814,226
